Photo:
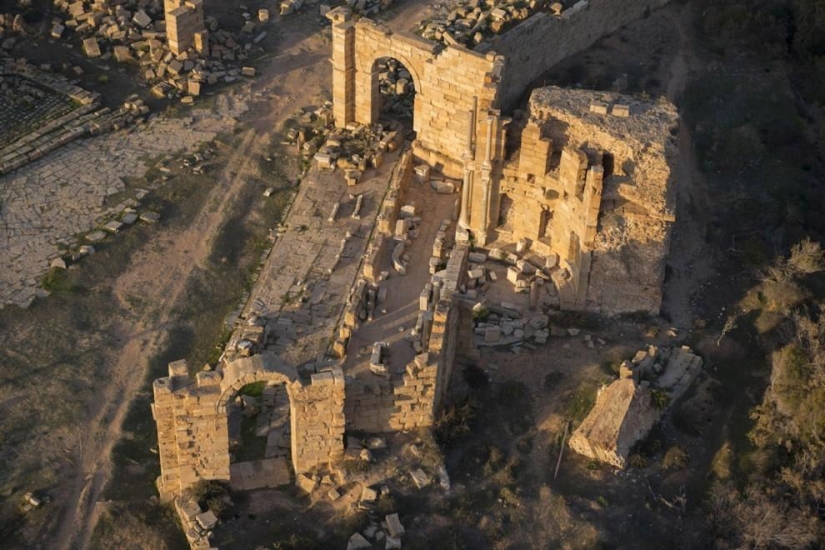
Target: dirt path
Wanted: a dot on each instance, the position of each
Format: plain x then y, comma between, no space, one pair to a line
151,273
689,260
161,273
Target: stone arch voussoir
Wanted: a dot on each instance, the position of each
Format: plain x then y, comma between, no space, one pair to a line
248,370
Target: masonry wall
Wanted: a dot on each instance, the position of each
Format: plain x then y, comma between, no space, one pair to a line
411,400
193,429
449,83
543,40
317,420
183,21
193,437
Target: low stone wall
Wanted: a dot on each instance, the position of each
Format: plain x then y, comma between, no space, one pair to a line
412,400
396,194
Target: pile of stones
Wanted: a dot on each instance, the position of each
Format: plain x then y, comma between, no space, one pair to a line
366,8
396,86
388,533
135,32
471,22
198,525
11,23
353,149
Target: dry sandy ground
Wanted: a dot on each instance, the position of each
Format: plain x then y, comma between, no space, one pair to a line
160,273
290,79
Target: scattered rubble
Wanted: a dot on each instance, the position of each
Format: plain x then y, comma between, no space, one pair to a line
198,524
472,22
30,502
178,52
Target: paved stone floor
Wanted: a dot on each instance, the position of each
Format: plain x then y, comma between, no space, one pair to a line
48,203
303,286
403,291
258,474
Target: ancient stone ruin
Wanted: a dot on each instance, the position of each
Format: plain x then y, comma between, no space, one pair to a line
193,433
575,144
569,207
628,408
41,111
592,191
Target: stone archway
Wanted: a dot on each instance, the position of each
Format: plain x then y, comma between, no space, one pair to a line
394,83
258,427
193,434
248,370
450,83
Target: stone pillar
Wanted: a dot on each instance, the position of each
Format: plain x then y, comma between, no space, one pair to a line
486,172
464,220
317,420
343,66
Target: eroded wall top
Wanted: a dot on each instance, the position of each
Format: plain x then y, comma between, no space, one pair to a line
638,135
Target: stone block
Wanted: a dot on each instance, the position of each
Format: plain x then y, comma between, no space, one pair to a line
513,274
394,526
91,48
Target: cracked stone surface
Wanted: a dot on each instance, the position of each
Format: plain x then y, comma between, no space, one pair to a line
46,205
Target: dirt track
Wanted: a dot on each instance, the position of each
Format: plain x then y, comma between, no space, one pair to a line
160,273
289,80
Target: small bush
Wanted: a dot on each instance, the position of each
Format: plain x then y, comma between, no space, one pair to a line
659,399
454,422
675,458
635,460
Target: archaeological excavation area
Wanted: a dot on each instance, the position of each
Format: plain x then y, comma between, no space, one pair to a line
403,260
415,274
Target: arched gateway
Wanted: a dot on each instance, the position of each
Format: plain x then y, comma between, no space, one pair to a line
193,430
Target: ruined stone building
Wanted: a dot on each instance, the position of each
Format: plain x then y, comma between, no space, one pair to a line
592,187
583,188
575,144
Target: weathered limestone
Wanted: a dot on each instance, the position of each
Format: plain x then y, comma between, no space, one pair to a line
605,208
624,414
191,417
453,80
628,408
184,20
448,84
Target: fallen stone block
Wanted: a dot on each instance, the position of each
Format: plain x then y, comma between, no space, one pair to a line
357,541
368,494
141,19
394,526
305,483
91,48
420,478
207,520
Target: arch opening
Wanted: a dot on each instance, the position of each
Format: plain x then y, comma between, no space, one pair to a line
256,403
260,436
394,90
